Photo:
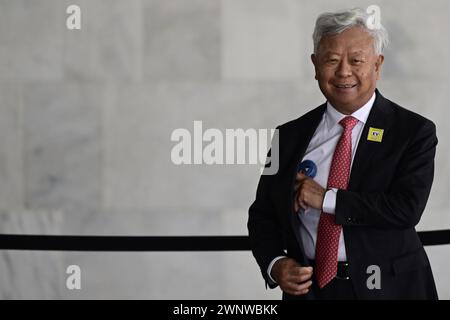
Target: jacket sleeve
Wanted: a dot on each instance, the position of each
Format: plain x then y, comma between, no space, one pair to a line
403,204
264,228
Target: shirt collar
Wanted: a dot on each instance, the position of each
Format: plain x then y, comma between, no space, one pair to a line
333,116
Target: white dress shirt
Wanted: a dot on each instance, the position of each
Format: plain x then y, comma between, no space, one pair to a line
320,150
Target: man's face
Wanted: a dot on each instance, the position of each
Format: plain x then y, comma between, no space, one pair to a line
347,69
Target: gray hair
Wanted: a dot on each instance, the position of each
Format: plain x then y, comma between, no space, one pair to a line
331,23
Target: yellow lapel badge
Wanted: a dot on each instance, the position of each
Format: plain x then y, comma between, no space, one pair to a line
375,134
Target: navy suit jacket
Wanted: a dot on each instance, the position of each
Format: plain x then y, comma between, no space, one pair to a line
389,185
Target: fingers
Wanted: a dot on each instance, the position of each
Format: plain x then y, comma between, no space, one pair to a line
299,180
308,183
298,203
300,274
299,281
301,176
293,278
300,271
300,200
301,203
297,289
308,193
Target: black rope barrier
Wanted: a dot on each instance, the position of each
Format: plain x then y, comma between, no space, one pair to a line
155,243
124,243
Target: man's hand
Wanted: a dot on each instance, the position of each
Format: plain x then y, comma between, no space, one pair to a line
291,277
308,193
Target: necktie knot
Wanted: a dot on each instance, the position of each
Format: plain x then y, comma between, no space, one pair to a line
348,123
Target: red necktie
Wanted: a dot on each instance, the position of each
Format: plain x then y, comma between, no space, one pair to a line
328,232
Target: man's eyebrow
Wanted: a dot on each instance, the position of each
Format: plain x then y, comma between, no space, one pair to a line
357,52
331,53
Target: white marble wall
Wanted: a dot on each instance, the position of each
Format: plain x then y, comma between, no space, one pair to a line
86,118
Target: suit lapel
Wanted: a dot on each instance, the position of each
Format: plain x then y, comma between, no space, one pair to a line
301,141
302,138
378,118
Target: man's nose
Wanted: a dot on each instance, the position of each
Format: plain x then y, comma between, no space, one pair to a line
344,69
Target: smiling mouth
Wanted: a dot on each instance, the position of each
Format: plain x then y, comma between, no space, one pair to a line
345,86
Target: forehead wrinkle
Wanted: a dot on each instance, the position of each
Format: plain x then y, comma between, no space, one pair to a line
359,42
332,52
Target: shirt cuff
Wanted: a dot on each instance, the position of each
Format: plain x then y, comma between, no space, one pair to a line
329,201
269,269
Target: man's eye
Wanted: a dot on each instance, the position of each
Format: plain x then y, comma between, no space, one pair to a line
357,61
333,60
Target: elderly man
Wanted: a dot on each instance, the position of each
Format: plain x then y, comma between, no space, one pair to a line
349,232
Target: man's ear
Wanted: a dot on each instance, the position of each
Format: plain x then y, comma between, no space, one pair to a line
314,61
378,65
